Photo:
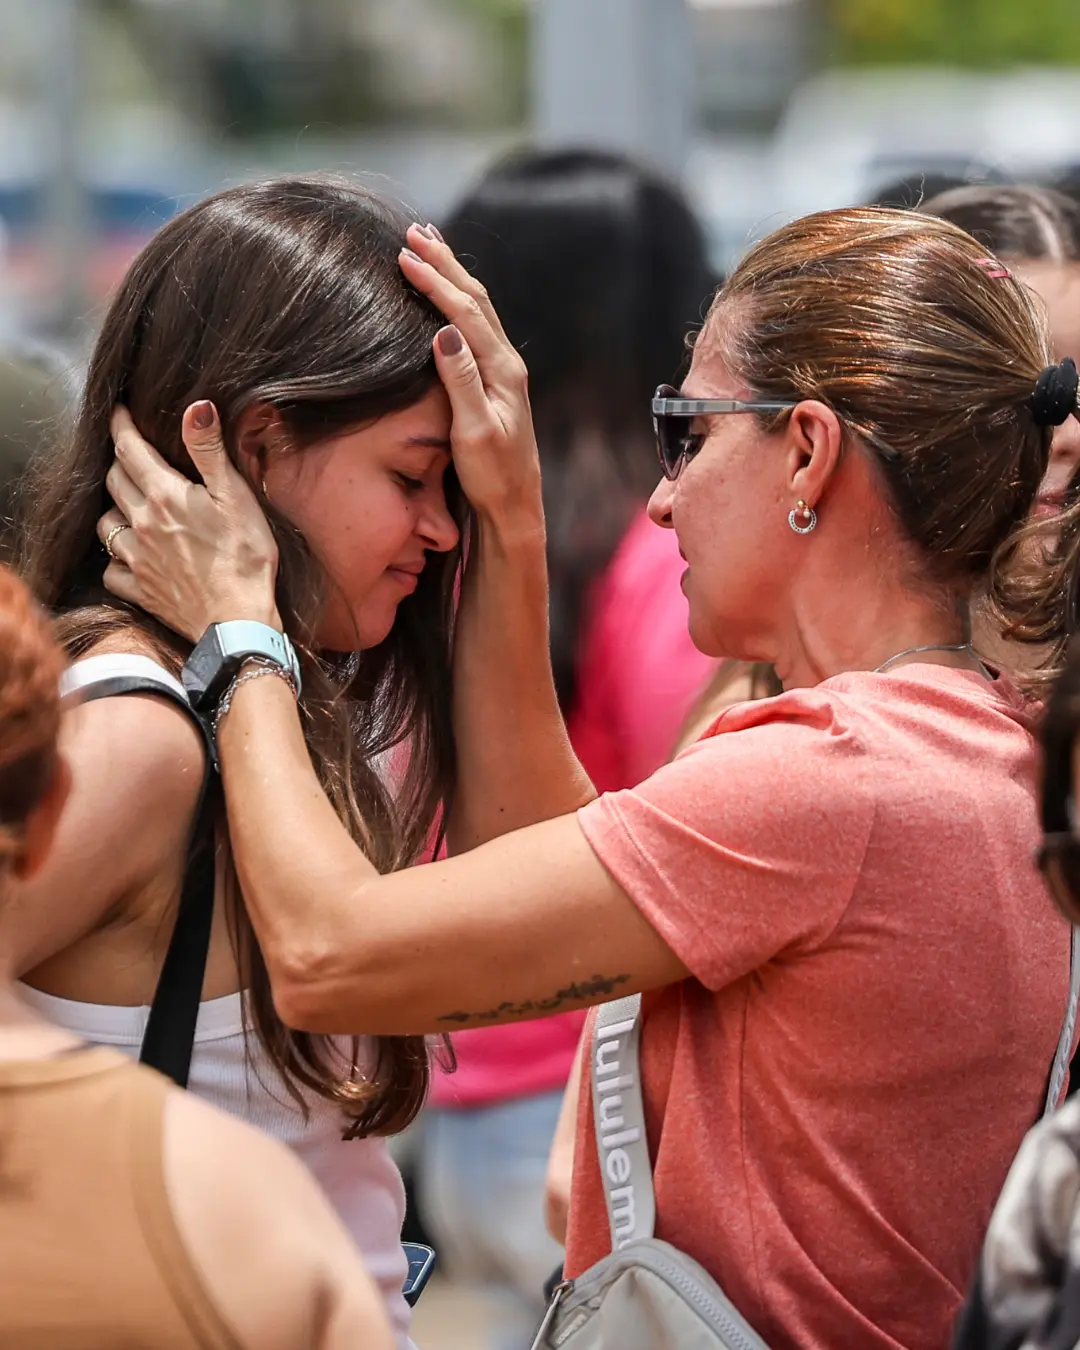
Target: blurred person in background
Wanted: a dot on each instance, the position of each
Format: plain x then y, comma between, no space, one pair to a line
910,191
598,270
1036,232
36,395
132,1213
822,900
325,375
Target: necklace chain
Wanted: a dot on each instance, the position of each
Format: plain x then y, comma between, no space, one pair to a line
932,647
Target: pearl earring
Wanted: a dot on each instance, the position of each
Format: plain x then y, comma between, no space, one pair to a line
803,518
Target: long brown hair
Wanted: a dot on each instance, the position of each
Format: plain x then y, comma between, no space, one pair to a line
928,355
287,293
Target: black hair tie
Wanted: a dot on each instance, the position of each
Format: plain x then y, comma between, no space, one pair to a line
1054,399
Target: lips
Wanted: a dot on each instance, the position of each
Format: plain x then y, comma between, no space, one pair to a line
406,575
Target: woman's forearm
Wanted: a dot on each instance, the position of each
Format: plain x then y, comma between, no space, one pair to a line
433,948
515,762
288,844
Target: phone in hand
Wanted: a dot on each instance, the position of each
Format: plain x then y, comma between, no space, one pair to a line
421,1263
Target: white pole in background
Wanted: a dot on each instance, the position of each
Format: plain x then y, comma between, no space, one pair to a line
614,74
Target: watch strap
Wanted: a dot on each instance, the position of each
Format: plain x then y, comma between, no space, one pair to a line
222,650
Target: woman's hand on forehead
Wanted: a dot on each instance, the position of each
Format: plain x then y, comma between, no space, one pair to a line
492,438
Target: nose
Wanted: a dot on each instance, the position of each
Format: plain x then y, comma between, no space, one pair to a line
437,527
660,503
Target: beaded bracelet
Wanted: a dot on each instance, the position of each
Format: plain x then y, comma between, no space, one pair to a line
251,670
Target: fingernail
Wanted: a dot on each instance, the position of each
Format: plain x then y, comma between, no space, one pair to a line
435,232
413,257
425,230
202,415
449,340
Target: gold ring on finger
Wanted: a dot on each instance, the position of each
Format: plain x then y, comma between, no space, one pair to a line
116,529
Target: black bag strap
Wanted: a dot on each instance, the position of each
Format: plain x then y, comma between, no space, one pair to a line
170,1027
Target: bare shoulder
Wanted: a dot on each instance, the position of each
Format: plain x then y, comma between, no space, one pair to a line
149,744
271,1253
137,764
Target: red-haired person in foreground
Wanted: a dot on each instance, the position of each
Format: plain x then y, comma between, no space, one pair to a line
131,1213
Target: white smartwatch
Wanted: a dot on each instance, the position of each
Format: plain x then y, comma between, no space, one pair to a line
218,655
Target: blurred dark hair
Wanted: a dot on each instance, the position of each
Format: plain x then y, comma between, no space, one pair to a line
1039,224
287,293
37,392
909,192
598,269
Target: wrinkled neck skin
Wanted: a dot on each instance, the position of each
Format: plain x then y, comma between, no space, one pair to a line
859,620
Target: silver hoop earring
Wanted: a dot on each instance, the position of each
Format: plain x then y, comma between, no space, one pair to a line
803,518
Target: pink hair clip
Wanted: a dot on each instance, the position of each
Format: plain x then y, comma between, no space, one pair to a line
994,270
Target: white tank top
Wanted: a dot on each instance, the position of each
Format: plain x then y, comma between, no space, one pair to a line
234,1073
359,1177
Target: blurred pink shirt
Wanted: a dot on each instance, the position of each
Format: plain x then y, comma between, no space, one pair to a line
638,674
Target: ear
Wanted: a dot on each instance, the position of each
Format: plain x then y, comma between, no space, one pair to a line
259,431
40,827
815,440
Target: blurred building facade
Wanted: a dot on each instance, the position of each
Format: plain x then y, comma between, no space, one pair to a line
115,112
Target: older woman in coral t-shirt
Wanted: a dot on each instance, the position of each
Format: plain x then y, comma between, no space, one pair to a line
854,978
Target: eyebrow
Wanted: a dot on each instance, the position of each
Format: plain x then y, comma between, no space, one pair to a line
428,443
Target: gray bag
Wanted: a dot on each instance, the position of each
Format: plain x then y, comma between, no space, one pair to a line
647,1295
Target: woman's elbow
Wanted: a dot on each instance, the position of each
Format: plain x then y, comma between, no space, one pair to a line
306,996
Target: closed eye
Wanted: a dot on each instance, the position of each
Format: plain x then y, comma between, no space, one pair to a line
410,484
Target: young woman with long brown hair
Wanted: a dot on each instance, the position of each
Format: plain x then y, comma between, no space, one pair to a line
286,302
130,1212
847,955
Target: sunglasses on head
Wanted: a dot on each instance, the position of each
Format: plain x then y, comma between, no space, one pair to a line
672,414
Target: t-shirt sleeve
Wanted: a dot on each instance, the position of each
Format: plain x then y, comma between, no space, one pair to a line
748,846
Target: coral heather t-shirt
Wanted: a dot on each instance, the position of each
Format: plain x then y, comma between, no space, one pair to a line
879,980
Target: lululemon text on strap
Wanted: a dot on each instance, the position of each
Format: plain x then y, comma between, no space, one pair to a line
619,1111
619,1118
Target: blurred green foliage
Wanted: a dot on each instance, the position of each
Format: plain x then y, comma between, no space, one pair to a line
981,33
242,78
509,20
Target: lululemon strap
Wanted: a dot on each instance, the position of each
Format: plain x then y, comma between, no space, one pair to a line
619,1119
1063,1054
